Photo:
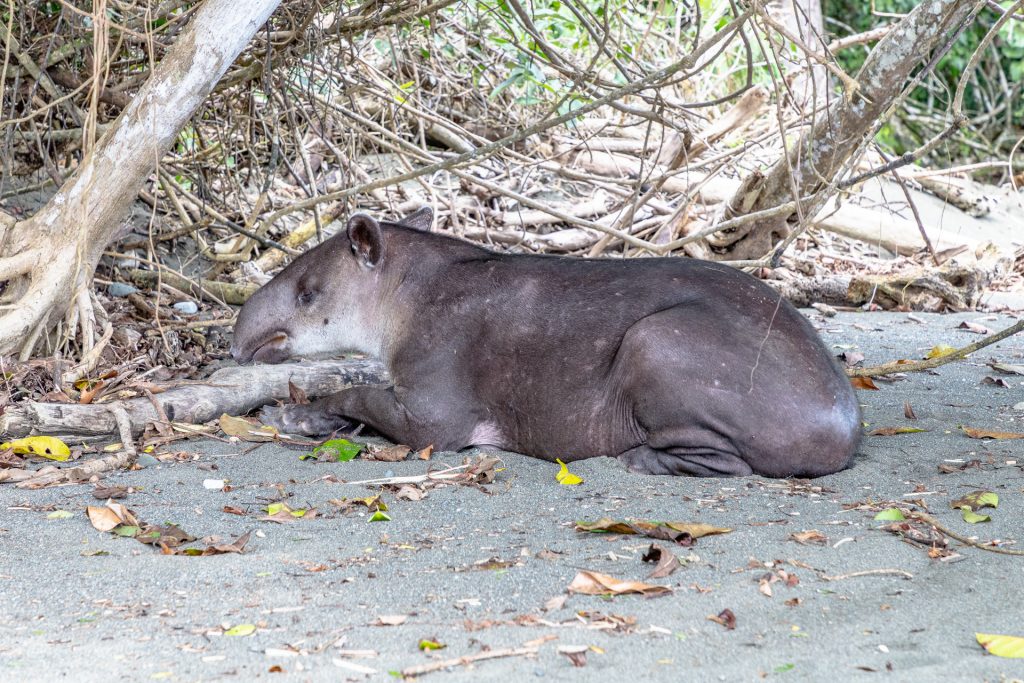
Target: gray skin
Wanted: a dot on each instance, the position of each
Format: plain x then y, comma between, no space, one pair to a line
673,365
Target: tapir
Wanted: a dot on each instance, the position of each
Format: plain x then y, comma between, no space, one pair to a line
672,365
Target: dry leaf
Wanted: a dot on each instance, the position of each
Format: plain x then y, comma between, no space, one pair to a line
893,431
164,537
89,394
371,503
851,358
297,395
974,327
726,618
386,454
863,383
110,516
102,492
666,561
976,500
1007,368
246,430
426,452
946,468
577,654
927,536
410,492
682,533
593,583
236,546
391,620
810,537
555,603
908,411
990,434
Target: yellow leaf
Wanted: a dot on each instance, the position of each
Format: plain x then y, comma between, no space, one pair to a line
565,477
246,430
1002,646
940,351
43,446
113,448
241,630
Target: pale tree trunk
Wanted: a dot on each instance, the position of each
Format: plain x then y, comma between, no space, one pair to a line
48,260
807,79
837,134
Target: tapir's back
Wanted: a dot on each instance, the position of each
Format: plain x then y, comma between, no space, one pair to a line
576,344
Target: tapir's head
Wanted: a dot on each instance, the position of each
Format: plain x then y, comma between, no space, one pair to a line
325,301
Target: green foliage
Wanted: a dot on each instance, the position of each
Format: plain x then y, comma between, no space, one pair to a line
1002,65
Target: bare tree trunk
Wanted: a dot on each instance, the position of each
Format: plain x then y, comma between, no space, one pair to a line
803,19
47,261
838,133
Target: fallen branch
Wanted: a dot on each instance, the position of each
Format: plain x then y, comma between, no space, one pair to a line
52,476
867,572
234,390
221,291
421,669
928,519
895,366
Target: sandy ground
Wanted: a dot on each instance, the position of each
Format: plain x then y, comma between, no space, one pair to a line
315,589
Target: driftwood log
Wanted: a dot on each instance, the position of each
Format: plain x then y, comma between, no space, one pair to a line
234,390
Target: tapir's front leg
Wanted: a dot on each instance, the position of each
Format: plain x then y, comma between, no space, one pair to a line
415,423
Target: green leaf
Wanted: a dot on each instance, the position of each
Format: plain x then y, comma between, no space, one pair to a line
380,516
60,514
890,515
430,645
972,517
565,477
784,668
126,530
241,630
1011,647
341,450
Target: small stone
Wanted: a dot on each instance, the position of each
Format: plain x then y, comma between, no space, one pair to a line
121,289
147,460
1019,406
186,307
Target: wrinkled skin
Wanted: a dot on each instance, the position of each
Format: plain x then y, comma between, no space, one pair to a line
675,366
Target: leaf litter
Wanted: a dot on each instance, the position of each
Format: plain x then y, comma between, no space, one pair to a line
117,519
681,533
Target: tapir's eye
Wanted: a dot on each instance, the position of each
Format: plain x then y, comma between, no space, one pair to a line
306,297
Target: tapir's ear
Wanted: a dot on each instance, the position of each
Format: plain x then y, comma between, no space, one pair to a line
421,219
366,238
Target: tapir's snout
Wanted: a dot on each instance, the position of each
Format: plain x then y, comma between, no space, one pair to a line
272,349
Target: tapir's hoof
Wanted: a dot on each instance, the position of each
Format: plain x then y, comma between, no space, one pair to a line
306,419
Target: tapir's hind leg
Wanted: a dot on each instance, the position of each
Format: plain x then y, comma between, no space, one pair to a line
731,392
684,461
